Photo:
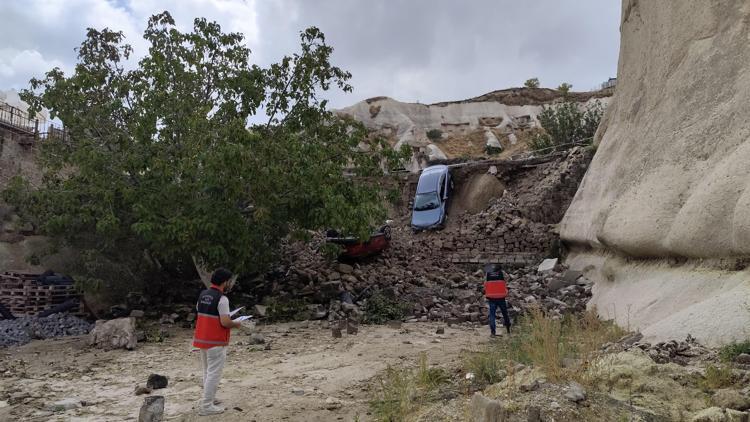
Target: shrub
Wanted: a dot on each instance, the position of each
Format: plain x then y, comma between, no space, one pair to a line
734,349
531,83
492,150
545,342
717,377
487,366
402,390
434,134
565,88
566,123
286,310
380,308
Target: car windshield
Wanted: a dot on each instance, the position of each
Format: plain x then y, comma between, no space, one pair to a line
426,201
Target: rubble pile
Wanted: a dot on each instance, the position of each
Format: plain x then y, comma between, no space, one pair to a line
14,332
502,233
438,273
679,352
434,288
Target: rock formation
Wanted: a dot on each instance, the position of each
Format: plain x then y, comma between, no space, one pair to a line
501,114
663,213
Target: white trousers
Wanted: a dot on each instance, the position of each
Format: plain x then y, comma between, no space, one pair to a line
213,360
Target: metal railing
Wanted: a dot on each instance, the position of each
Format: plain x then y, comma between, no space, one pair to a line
18,121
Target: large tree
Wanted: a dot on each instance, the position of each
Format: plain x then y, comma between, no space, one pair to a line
161,160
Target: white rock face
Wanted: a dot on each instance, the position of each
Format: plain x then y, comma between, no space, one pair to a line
670,177
410,122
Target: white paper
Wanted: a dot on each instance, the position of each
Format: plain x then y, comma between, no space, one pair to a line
243,318
236,310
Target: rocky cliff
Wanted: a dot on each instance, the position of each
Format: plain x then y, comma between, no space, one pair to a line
501,120
664,211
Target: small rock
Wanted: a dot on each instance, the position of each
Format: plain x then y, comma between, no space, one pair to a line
730,399
152,409
547,266
298,391
156,381
712,414
743,358
575,393
483,409
64,405
352,327
554,405
529,386
333,403
137,313
336,332
257,338
346,269
260,310
440,330
396,325
534,414
140,390
4,404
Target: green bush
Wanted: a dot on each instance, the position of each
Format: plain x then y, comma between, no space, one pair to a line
434,134
531,83
566,123
279,310
380,308
734,349
565,88
492,150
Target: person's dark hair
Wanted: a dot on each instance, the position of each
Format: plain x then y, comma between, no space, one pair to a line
220,275
492,267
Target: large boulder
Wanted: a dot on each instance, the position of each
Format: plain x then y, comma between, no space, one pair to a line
115,334
670,176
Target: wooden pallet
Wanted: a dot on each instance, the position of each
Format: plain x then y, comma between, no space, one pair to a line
23,295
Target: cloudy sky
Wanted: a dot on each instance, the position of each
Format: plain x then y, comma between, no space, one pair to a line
411,50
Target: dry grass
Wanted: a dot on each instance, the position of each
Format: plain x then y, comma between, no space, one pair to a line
402,391
561,348
717,377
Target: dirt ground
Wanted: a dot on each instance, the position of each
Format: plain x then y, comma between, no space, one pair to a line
304,367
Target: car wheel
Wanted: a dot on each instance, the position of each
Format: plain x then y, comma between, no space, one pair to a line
387,232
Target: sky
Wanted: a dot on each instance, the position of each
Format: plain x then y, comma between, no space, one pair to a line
411,50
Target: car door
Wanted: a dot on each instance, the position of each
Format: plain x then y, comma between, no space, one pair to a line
441,196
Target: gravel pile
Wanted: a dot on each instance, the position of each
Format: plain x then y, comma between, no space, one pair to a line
14,332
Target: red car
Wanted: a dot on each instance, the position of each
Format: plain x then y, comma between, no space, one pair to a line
354,248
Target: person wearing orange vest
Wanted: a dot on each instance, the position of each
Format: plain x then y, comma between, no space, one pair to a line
212,331
496,290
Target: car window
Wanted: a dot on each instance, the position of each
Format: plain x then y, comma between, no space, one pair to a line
442,188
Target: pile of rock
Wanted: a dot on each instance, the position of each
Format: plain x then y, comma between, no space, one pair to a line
433,287
501,233
22,330
679,352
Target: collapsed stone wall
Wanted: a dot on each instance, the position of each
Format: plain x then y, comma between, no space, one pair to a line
516,227
666,196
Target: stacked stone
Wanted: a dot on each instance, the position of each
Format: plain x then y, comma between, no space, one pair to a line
22,330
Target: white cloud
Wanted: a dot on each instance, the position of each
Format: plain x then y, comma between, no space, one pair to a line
426,50
18,66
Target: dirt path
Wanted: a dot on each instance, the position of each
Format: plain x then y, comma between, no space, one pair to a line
290,382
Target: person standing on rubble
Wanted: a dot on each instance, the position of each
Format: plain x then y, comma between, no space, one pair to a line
496,290
212,331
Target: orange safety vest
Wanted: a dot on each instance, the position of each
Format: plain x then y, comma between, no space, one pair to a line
495,289
208,329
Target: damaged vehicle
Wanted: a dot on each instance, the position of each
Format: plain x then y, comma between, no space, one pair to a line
431,201
354,248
